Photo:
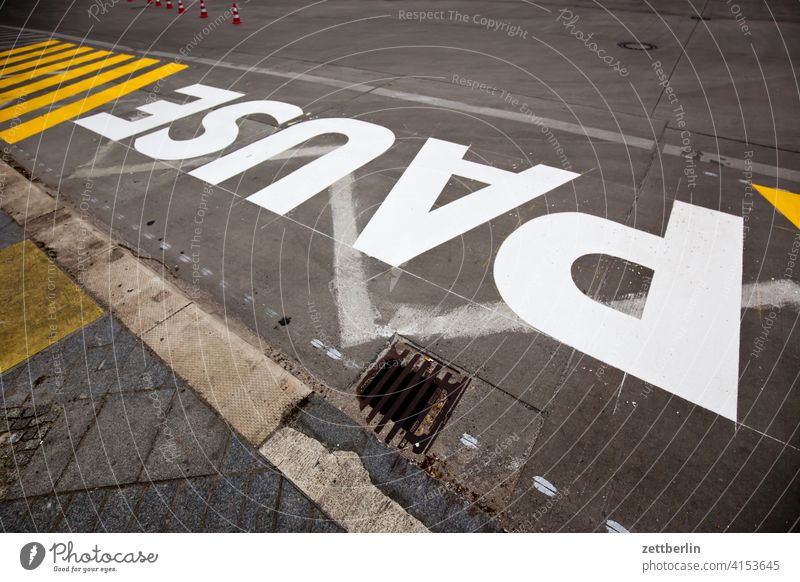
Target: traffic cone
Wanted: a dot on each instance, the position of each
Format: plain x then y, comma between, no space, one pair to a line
236,19
169,4
181,9
203,11
158,3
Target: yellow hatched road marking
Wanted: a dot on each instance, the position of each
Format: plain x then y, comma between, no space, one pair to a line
45,51
43,60
70,90
62,114
39,304
787,203
39,71
58,79
29,47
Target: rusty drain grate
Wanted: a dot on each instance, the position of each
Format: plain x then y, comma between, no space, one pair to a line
413,391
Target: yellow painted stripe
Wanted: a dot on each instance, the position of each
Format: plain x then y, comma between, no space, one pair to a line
29,47
62,114
38,53
39,304
58,79
39,71
44,60
49,98
788,203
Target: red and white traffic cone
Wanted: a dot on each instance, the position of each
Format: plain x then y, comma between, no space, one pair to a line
181,9
203,11
169,4
158,3
236,19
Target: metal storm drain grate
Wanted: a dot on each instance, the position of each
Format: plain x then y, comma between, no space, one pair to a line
413,392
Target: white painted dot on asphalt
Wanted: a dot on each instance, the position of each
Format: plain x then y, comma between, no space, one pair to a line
544,486
469,441
613,527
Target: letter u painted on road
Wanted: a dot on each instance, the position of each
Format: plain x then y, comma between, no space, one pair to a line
365,142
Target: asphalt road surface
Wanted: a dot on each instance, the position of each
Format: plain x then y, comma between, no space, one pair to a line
587,208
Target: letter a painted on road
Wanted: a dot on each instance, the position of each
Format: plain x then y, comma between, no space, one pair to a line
405,226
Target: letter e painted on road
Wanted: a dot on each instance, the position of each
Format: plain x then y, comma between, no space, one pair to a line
687,340
160,112
220,131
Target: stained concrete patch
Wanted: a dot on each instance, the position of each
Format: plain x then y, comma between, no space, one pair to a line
137,296
250,391
74,239
338,483
21,199
39,305
421,495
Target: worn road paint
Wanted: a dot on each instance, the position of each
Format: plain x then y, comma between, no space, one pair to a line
542,485
490,318
357,316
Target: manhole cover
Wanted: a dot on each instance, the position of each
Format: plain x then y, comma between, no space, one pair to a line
412,391
637,46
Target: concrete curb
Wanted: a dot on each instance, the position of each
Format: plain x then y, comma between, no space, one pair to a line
254,394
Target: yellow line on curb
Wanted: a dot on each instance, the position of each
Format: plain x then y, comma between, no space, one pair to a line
70,90
62,114
38,53
39,304
39,71
43,60
58,79
28,47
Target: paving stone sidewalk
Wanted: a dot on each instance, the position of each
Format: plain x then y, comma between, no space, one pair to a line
96,434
